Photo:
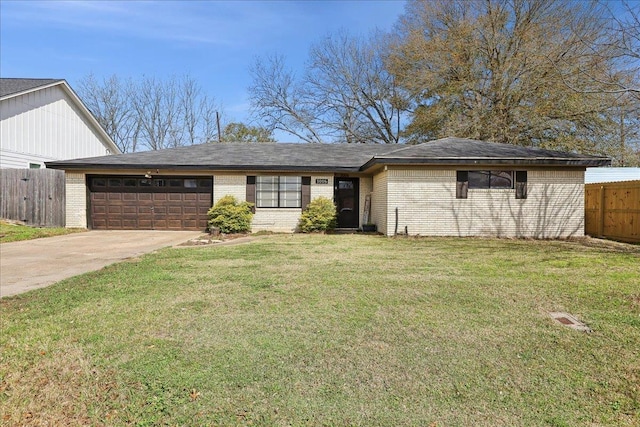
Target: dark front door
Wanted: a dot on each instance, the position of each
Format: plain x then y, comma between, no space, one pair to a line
346,193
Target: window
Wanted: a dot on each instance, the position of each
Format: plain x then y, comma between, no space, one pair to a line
491,179
34,165
279,191
509,180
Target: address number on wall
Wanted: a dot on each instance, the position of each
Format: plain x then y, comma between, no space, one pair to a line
322,180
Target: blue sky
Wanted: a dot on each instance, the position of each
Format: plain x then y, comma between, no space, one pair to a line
213,41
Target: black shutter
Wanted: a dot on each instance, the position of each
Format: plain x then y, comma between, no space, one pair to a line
462,184
306,192
521,184
251,192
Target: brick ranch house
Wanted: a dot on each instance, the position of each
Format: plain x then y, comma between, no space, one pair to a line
447,187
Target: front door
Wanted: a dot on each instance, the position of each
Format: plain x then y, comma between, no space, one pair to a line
346,194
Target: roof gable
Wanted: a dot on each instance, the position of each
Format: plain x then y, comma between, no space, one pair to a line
14,87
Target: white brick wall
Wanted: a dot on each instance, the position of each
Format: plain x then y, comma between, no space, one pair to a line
235,185
280,220
379,202
324,190
427,205
76,200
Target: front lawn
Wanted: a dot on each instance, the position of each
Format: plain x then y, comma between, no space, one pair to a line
11,232
334,330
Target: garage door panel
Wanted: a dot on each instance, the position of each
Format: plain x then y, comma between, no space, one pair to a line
130,224
100,223
145,224
159,224
99,209
174,210
114,210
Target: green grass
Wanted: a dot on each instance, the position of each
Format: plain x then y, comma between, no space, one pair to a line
332,331
10,232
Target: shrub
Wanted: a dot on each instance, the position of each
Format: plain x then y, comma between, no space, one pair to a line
320,215
230,216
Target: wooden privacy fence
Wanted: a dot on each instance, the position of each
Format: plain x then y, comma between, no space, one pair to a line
612,210
33,196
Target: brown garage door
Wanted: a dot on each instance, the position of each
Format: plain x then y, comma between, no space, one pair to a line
159,203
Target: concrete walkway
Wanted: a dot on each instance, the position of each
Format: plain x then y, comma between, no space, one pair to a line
37,263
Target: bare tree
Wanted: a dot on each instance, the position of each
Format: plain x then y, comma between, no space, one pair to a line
279,102
347,81
508,71
345,94
150,113
110,104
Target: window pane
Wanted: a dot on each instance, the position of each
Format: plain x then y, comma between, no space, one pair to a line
115,182
145,183
345,185
99,182
175,183
206,183
267,191
479,179
159,183
130,182
190,183
290,199
501,179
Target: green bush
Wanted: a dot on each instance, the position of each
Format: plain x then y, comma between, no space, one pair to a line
230,216
320,215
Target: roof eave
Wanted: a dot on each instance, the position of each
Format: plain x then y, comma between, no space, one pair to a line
288,168
448,161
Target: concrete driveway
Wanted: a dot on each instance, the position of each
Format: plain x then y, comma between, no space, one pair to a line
38,263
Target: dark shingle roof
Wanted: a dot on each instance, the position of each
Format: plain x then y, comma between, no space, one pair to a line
10,86
330,157
461,151
239,156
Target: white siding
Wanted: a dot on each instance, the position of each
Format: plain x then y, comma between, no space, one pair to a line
427,205
45,125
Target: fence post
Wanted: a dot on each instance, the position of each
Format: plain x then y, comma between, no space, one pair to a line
601,213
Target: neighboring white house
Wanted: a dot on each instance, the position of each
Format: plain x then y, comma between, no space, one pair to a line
597,175
43,120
